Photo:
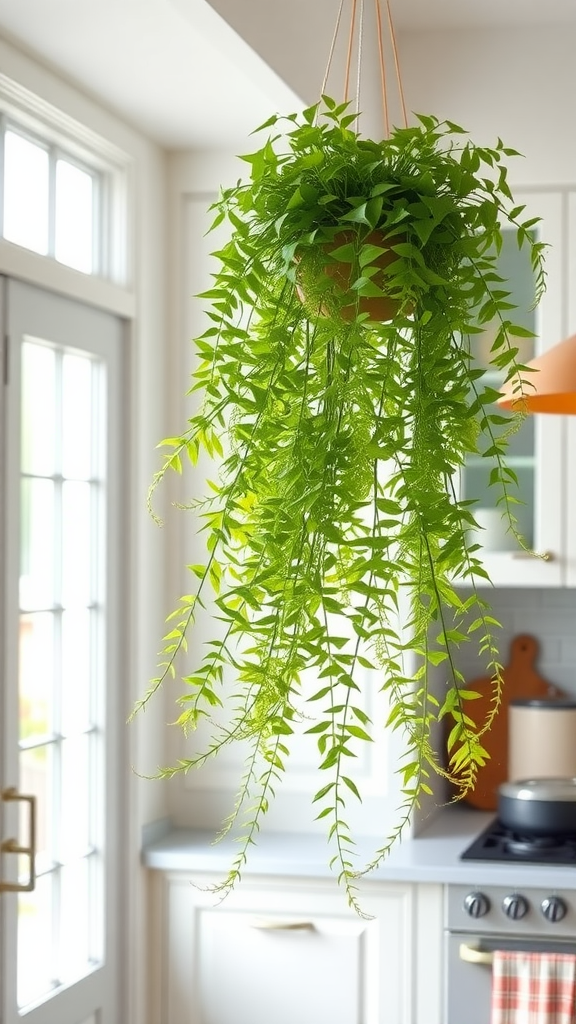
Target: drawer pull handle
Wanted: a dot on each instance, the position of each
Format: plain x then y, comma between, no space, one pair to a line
284,926
473,955
12,845
544,556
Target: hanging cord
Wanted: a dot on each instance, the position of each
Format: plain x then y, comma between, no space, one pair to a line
381,55
349,54
332,48
397,64
359,68
382,70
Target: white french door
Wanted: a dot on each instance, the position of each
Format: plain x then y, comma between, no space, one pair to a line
61,710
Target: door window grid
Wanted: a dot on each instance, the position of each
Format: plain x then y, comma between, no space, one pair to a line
65,911
51,202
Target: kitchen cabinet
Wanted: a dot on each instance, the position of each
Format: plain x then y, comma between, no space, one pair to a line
289,950
542,452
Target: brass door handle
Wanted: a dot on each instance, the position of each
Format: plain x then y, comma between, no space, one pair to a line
473,955
12,845
283,926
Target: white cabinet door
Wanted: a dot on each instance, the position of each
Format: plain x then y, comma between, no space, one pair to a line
537,453
286,951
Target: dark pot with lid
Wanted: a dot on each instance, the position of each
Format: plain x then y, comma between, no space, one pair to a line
538,807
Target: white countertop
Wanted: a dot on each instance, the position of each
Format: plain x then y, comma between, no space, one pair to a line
432,856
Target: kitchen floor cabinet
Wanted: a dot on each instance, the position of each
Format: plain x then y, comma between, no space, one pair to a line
542,453
289,951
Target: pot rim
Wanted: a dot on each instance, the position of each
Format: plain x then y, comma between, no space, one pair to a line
538,790
545,704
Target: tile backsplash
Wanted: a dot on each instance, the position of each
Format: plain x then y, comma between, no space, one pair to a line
549,615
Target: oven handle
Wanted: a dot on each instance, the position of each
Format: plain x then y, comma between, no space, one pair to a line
473,955
485,957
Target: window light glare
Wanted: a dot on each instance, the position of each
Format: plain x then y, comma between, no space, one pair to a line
26,203
74,241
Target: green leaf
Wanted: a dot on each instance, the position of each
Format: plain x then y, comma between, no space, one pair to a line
351,786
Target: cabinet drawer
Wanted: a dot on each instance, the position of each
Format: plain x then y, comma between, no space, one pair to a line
286,951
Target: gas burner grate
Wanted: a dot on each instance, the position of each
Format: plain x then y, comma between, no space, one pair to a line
522,846
498,843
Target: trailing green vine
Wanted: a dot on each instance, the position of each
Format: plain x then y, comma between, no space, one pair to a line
340,439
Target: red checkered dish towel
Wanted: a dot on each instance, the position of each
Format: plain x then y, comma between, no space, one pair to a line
533,988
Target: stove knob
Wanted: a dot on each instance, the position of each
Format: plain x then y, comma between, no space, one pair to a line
476,904
553,908
515,906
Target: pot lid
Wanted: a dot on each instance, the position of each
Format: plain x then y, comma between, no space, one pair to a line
553,704
540,789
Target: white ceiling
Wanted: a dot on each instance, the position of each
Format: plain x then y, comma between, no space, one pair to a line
172,68
179,72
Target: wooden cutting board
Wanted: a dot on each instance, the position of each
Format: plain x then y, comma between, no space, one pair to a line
521,681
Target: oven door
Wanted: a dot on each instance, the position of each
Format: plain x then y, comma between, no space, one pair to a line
469,971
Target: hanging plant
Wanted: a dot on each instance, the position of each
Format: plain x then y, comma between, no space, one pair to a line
340,438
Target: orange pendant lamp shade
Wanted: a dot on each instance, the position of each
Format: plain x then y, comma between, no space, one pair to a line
552,387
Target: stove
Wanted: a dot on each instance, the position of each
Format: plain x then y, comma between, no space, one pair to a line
498,843
477,923
538,919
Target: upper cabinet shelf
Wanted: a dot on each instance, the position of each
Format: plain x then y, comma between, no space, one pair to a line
541,453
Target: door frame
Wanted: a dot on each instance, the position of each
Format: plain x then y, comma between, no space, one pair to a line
116,780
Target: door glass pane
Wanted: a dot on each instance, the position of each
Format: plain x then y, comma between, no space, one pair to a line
76,658
38,401
37,779
77,533
36,961
74,816
74,217
514,265
38,537
77,434
37,656
26,192
75,951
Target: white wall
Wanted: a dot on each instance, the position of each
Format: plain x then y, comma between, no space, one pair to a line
515,83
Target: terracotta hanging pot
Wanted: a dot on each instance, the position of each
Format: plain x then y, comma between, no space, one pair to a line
380,309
